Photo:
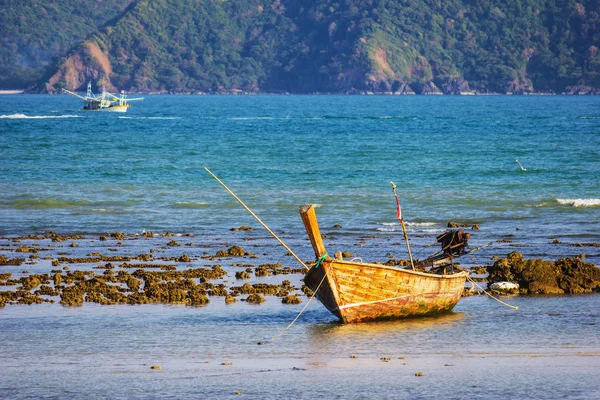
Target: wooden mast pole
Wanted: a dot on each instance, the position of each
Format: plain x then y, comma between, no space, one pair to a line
309,218
258,219
412,264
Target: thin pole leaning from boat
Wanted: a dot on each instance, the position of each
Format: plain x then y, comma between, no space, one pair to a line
412,264
258,219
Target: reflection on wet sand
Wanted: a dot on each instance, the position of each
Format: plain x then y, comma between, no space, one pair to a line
383,328
338,344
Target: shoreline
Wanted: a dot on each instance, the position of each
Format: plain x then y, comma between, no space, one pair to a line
283,93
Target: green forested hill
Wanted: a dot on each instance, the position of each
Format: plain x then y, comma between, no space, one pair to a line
34,33
425,46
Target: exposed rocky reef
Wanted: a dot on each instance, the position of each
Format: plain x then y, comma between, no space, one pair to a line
564,276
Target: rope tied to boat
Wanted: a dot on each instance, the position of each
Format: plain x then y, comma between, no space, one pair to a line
320,260
307,303
490,295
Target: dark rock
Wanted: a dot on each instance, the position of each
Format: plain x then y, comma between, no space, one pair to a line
242,228
229,299
291,300
233,251
402,88
427,88
242,275
255,298
117,235
568,275
519,85
11,261
479,269
580,89
455,86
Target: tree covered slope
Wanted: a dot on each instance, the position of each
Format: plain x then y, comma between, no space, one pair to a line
35,33
303,46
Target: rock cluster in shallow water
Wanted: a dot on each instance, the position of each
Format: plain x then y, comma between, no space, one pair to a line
567,275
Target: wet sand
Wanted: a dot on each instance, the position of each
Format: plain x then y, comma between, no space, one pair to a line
100,348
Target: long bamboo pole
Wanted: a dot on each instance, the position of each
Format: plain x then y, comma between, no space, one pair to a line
258,219
412,264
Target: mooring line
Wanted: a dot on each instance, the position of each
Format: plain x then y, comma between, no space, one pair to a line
300,313
484,291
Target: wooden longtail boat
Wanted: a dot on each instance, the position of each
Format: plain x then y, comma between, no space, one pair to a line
358,291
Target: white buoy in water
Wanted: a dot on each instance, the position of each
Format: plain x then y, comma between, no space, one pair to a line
504,286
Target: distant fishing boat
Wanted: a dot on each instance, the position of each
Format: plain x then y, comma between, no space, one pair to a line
104,101
357,291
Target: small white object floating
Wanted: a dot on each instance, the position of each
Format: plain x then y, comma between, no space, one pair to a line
522,169
504,286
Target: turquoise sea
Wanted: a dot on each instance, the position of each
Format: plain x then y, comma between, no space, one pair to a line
453,159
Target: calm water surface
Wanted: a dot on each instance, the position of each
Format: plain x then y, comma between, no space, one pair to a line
453,158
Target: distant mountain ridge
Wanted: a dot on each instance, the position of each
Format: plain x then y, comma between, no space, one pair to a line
351,46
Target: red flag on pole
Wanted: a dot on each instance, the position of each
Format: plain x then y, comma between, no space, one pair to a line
398,211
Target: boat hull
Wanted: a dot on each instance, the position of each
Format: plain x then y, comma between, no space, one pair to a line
119,108
356,292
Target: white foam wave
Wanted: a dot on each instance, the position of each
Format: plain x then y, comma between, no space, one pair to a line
579,202
153,118
432,230
389,229
417,224
420,223
23,116
249,118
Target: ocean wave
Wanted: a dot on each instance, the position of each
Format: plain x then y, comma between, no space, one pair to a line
579,202
23,116
251,118
420,223
366,117
190,204
154,118
432,230
387,229
390,229
417,224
